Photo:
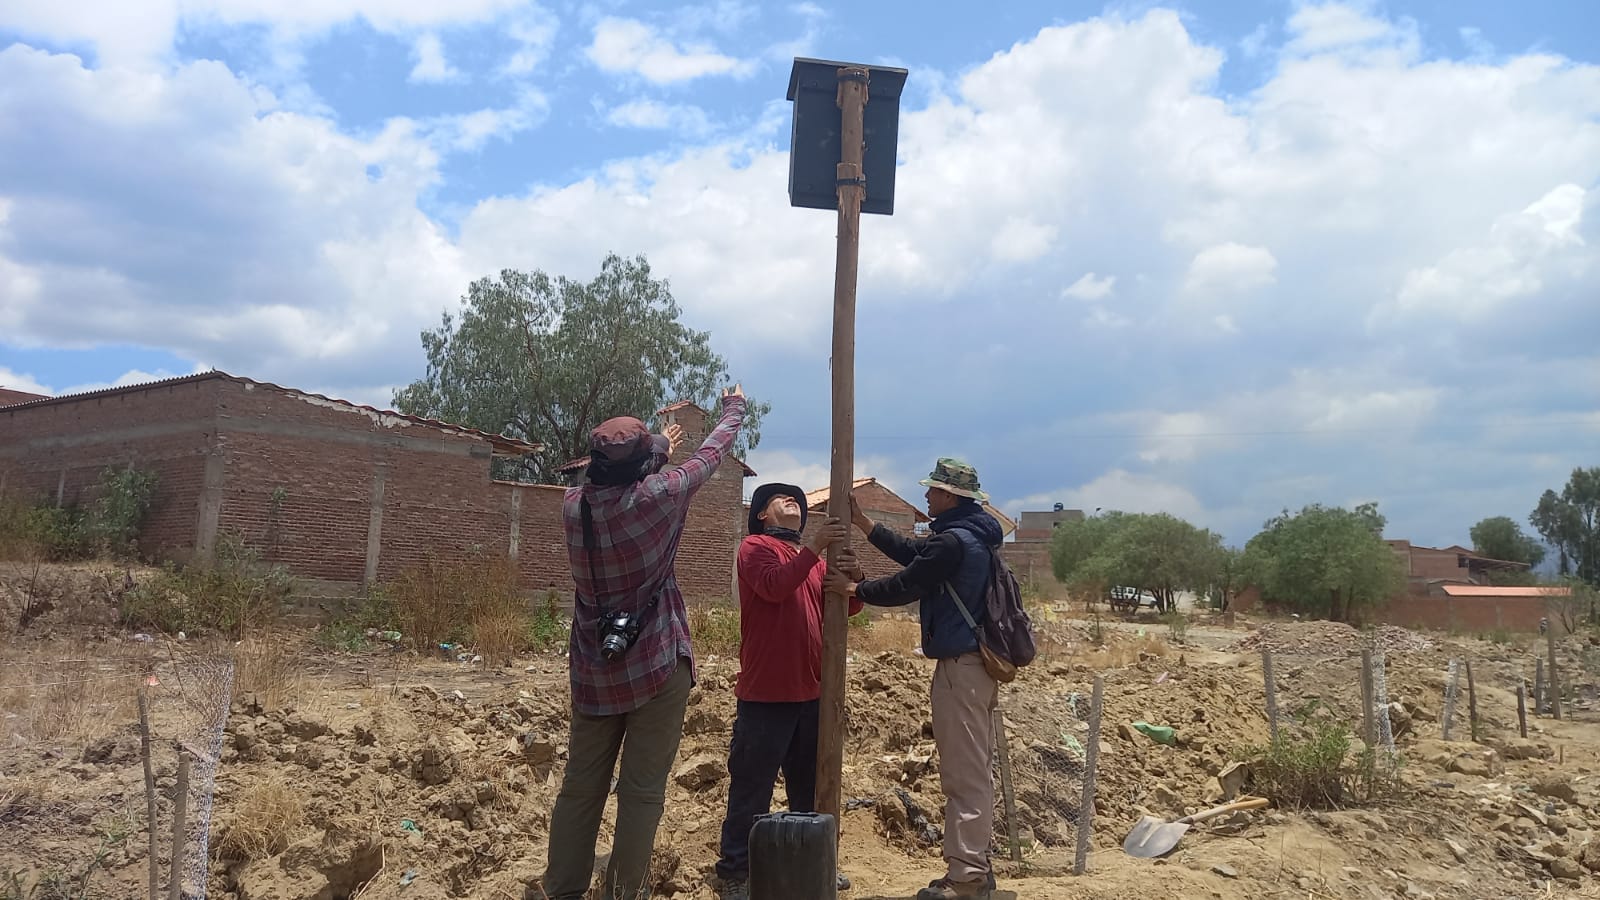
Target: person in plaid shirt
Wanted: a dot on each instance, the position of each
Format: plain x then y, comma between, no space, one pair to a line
622,530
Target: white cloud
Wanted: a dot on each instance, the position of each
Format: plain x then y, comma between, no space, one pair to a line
1120,490
1231,267
431,66
140,33
534,29
1021,239
652,114
468,132
1090,287
810,471
131,376
631,46
1524,250
13,380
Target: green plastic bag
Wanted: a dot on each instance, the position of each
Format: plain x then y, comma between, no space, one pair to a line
1161,734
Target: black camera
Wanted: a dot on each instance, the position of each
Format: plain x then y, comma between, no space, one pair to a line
618,631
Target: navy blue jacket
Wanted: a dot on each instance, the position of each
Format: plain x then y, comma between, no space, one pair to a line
959,552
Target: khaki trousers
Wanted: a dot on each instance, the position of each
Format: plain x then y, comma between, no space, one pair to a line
964,700
648,740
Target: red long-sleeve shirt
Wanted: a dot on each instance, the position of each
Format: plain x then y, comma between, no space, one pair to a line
780,621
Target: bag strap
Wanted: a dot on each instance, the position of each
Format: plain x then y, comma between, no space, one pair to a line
962,605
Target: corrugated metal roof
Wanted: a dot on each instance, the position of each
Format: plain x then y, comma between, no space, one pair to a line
499,441
1483,590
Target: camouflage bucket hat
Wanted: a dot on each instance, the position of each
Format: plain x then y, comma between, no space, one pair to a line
955,477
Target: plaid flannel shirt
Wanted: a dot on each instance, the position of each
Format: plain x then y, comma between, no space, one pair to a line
637,528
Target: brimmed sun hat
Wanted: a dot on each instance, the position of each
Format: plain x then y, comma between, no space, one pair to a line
955,477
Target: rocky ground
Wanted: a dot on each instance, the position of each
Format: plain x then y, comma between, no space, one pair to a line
380,774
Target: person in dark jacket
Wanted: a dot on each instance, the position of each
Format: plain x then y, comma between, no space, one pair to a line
949,566
780,671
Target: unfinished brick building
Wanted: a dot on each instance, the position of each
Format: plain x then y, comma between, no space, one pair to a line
343,495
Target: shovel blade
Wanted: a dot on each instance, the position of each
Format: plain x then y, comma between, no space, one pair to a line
1152,838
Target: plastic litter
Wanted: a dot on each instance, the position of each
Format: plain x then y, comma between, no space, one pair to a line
143,638
408,877
410,825
1161,734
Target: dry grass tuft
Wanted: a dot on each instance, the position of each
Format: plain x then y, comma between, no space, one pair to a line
22,799
714,629
498,633
68,692
881,634
271,667
268,817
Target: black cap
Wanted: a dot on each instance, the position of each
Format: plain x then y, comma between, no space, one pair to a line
764,495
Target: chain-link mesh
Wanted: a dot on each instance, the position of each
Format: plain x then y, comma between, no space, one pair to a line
202,689
1451,689
1380,699
84,703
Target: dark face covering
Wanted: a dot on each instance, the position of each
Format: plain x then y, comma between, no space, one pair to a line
782,534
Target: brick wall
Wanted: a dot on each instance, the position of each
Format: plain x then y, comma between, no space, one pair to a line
1417,609
57,451
335,493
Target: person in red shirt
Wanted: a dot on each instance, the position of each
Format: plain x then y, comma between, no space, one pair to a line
780,670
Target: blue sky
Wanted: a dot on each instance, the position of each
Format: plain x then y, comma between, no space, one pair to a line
1216,259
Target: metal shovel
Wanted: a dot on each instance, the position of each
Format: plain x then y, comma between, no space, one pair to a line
1152,838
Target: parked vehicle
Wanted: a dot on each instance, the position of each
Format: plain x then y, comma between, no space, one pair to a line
1129,599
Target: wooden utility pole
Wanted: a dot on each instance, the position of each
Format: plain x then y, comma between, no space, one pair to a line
1091,760
852,187
1008,792
1472,703
180,827
1522,707
149,789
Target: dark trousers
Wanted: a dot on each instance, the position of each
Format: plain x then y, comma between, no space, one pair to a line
767,737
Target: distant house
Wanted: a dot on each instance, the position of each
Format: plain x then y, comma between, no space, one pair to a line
1029,553
883,506
1476,608
1448,565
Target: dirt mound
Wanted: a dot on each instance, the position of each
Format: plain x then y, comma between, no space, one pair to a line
1330,639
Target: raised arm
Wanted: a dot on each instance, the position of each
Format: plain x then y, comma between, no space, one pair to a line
684,480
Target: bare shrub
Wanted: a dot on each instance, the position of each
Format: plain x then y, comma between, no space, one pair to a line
270,667
236,594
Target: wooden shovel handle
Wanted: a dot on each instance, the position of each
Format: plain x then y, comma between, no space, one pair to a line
1212,813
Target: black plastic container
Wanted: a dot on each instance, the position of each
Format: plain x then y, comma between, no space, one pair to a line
794,856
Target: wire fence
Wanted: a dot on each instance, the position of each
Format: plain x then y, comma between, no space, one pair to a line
137,705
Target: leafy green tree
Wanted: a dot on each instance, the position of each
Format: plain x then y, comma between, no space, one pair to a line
1570,522
1500,537
1157,552
545,359
1324,560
